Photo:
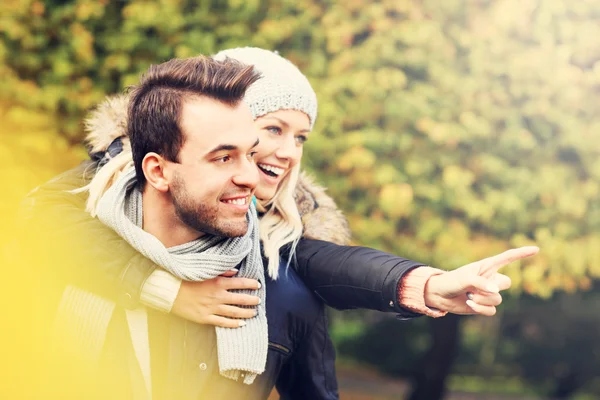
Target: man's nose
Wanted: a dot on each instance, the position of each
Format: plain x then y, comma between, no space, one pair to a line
247,175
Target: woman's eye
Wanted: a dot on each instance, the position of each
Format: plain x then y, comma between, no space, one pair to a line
274,129
251,155
301,139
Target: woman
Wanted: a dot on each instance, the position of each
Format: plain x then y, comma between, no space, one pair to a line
284,125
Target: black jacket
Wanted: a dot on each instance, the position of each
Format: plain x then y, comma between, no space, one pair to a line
344,277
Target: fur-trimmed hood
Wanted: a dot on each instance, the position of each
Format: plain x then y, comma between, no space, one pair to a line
106,123
321,218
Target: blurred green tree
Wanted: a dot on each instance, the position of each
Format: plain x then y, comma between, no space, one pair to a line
447,131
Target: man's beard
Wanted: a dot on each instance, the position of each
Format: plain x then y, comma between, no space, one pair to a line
203,217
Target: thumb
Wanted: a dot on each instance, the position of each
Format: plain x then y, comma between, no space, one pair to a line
484,284
230,273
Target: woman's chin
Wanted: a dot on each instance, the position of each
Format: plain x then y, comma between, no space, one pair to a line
265,194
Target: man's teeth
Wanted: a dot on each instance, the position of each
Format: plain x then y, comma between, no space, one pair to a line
270,168
237,202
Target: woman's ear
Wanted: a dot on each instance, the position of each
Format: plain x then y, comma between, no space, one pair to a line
153,166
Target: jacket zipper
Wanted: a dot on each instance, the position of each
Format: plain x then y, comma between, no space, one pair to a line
280,347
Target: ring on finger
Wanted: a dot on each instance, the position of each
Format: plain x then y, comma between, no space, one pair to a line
469,295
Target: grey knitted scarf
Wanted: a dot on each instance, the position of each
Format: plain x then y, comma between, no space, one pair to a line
242,352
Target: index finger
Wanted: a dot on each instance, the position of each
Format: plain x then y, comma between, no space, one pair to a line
494,263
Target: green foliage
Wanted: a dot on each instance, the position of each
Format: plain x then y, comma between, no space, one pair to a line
450,131
447,131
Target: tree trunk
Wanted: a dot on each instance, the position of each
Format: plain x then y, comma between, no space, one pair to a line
430,377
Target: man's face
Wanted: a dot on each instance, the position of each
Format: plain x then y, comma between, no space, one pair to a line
212,185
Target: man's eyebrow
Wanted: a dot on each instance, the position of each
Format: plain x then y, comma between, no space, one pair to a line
229,147
286,125
222,147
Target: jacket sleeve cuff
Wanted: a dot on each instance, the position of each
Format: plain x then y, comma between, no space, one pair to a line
412,291
132,280
160,290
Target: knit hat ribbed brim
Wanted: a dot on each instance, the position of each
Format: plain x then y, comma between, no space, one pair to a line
281,87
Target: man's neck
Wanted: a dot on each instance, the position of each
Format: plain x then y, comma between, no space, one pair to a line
161,221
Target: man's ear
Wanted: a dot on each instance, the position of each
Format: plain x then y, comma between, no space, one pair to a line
153,166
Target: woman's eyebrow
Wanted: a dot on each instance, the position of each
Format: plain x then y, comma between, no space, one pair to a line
282,122
286,125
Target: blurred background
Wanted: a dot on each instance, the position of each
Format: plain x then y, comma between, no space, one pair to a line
448,131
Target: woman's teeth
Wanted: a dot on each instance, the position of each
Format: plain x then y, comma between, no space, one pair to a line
237,202
271,170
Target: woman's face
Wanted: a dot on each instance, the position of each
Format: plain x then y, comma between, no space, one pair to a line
282,136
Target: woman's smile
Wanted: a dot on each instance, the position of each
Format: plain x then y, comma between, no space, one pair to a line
271,174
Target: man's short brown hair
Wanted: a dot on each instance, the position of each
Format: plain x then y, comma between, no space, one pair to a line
155,104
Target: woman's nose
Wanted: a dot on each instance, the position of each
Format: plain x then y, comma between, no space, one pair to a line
288,148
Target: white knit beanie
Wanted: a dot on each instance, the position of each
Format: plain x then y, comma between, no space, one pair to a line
282,86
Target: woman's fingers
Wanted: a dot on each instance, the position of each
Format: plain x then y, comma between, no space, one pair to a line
199,301
224,322
482,284
235,312
493,264
486,293
240,299
230,316
488,299
238,283
231,272
502,281
481,309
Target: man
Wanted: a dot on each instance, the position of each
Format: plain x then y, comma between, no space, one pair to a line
192,141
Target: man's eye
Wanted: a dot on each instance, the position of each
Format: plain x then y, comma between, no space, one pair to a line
223,159
274,130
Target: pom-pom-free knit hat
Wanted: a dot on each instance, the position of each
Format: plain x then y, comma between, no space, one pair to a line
281,87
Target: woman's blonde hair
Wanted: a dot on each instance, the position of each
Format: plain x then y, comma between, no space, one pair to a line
105,177
280,224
